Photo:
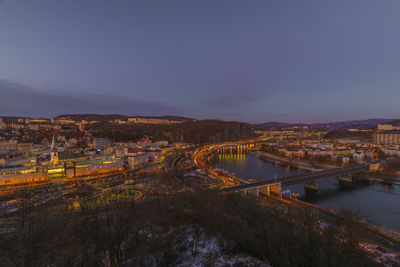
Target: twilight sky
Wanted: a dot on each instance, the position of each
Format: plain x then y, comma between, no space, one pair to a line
255,61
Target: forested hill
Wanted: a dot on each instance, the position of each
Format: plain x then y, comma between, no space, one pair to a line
111,117
195,132
205,131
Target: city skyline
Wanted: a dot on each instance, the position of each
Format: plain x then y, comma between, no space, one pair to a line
57,105
199,133
254,62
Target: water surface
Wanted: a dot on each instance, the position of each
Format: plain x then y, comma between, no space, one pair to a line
378,203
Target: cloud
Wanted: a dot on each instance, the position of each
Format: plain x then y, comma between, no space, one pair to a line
21,100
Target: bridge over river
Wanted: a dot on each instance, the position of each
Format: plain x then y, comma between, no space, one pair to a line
309,180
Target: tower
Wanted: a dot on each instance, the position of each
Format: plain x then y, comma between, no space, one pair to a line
53,151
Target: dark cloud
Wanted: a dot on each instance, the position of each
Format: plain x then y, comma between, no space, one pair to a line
20,100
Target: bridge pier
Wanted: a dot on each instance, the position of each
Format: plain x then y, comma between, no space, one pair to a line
275,189
273,186
311,190
345,181
254,191
268,190
265,190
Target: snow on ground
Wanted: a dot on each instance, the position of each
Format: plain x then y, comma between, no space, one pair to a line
206,251
380,255
195,173
10,206
191,174
197,249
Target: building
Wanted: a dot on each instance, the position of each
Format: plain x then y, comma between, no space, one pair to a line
10,145
100,143
152,120
137,160
17,126
387,127
33,127
386,137
359,157
24,147
3,126
53,152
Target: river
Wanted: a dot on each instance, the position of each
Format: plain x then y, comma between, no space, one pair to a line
377,203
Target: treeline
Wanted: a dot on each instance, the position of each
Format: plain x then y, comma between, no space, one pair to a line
131,232
348,134
195,132
205,131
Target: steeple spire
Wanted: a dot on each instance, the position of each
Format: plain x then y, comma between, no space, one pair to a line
53,144
54,151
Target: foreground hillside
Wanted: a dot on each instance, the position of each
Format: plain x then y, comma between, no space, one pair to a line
203,228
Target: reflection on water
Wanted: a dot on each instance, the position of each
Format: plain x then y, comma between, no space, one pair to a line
248,166
378,203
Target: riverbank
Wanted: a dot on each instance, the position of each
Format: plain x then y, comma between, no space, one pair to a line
292,162
388,233
384,178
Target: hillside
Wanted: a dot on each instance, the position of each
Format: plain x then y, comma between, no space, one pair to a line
341,125
273,125
355,124
196,132
110,117
205,131
200,228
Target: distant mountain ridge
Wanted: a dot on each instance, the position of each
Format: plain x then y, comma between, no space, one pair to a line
108,117
25,101
341,125
273,125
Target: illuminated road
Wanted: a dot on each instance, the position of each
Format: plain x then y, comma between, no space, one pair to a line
201,154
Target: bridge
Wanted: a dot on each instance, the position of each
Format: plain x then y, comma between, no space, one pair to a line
232,146
309,179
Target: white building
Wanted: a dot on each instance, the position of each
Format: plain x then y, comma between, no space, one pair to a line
359,157
3,126
387,127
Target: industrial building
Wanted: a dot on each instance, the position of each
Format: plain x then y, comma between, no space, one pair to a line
386,137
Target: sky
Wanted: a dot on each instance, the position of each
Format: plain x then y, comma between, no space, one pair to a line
253,61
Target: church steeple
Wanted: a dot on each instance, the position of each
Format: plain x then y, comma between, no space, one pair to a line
54,151
53,144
